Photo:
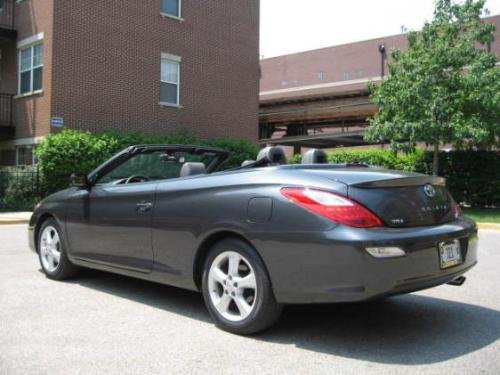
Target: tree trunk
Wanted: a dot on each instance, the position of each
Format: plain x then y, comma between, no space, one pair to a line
435,160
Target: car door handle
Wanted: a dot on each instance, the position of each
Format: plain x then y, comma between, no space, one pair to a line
143,207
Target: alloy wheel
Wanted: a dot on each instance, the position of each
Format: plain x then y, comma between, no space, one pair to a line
232,286
50,249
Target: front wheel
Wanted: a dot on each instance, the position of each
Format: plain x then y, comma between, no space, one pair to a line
55,264
237,289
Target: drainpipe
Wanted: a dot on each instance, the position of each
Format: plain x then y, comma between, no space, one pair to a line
381,49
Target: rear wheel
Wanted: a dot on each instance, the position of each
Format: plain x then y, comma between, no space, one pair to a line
55,264
237,289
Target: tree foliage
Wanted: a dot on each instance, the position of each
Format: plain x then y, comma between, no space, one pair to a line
445,88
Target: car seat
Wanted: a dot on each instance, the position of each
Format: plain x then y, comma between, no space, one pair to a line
315,156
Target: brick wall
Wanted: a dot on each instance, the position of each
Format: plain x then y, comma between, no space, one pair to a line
107,66
347,62
32,113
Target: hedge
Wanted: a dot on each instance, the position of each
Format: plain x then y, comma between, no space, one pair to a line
73,151
473,177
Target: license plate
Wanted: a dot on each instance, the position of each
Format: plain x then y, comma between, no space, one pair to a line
449,253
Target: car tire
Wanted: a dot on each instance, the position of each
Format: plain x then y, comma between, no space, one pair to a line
52,252
242,309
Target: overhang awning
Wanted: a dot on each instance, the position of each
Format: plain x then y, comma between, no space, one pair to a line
329,140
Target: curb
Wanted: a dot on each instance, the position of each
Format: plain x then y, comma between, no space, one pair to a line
489,226
14,221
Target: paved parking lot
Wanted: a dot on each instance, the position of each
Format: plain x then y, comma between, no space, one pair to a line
102,323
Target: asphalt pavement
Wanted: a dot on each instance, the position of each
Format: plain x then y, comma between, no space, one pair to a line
103,323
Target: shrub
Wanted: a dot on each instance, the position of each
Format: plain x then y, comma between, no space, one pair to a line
240,151
73,151
124,140
383,158
69,152
414,162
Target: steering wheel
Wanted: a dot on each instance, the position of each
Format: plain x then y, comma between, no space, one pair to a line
136,178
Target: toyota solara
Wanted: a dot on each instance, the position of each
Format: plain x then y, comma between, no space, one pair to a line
257,237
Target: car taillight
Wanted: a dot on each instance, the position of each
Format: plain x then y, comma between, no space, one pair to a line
332,206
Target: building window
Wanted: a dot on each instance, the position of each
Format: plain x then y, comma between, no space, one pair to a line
170,79
321,75
24,156
171,8
30,68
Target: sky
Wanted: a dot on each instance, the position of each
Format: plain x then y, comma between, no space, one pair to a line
288,26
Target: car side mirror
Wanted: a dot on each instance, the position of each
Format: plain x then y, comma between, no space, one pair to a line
79,180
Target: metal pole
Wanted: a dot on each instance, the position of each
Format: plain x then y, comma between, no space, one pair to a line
381,49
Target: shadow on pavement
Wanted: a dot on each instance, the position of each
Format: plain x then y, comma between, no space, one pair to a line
168,298
409,329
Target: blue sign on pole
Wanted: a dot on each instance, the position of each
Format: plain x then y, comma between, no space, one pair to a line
57,122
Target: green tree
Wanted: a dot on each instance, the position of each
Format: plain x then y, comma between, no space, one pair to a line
443,89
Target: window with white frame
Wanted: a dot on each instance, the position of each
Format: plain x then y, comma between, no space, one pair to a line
170,79
171,8
24,155
30,68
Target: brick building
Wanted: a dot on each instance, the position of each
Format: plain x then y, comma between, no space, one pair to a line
153,66
319,98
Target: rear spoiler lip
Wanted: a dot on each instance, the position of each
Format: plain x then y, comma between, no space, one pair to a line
402,182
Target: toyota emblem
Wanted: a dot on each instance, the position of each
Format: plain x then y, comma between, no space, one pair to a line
429,190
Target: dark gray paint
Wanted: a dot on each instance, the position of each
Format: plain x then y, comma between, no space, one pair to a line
309,258
109,224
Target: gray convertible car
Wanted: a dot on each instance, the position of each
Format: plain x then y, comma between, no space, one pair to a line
257,237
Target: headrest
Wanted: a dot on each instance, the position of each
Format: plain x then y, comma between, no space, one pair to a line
190,169
275,155
315,156
247,162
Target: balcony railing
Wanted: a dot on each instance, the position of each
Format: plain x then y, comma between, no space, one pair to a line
6,109
7,129
7,8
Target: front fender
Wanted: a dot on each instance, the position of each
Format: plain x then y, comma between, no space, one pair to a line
54,207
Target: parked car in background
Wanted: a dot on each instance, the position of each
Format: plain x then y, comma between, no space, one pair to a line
255,238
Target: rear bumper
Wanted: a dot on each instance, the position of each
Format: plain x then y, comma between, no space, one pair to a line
334,266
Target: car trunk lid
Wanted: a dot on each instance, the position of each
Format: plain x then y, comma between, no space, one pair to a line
399,199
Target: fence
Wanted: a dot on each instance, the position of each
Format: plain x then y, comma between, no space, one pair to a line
20,188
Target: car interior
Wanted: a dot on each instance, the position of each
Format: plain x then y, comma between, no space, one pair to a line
161,165
158,165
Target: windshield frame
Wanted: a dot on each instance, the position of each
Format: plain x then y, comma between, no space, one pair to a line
220,156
